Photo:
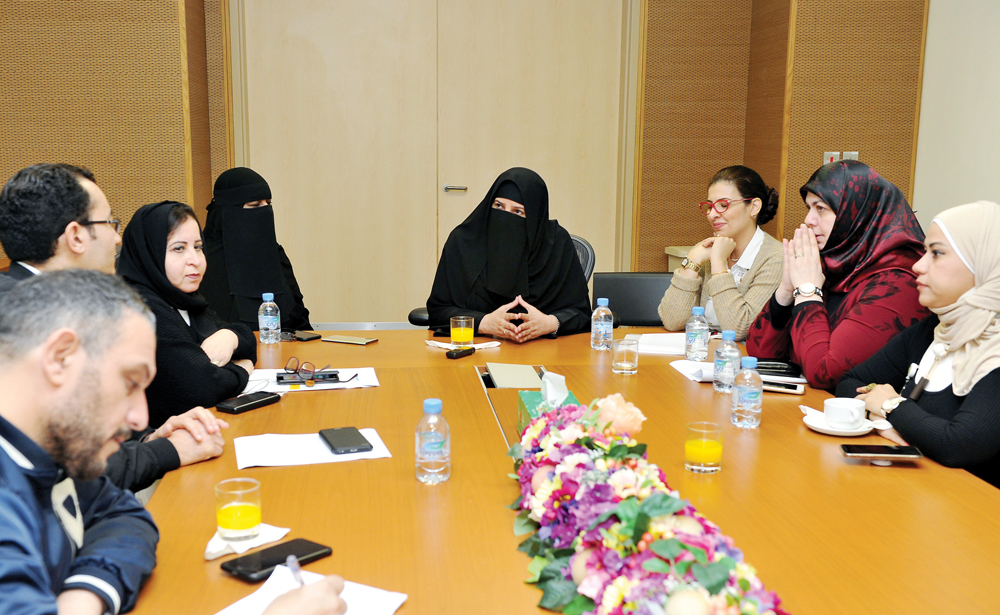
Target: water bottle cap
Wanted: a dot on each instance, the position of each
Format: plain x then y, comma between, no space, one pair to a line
268,296
748,363
729,335
698,310
602,302
432,406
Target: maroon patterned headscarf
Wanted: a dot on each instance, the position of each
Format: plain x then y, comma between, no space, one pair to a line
875,228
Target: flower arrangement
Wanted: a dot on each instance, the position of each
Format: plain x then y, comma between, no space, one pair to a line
608,535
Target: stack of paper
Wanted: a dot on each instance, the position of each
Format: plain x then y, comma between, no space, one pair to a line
661,343
510,376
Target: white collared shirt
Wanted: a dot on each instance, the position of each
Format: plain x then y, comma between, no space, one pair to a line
33,270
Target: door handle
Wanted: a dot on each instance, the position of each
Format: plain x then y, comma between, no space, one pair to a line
449,188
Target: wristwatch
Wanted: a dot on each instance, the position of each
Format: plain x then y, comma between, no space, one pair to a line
808,289
891,404
690,264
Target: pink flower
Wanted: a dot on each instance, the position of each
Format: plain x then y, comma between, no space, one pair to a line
623,415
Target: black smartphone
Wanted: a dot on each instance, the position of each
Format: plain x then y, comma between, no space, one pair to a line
778,368
328,376
784,387
876,451
306,336
246,402
345,440
255,567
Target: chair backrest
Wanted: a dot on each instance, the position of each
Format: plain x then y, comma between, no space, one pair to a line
586,253
633,297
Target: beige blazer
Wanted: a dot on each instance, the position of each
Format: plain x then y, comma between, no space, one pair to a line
736,305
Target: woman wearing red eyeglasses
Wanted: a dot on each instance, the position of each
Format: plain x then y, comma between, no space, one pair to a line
848,285
734,272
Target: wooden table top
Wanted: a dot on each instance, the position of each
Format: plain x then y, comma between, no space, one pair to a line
829,535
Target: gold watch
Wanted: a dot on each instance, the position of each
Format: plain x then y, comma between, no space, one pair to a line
690,264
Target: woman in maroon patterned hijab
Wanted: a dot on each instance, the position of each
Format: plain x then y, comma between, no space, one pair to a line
847,285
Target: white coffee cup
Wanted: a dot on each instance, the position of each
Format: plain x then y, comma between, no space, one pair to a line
844,412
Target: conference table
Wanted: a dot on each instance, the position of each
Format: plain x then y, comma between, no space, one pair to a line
828,534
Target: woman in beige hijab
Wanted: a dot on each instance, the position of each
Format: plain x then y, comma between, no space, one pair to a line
945,368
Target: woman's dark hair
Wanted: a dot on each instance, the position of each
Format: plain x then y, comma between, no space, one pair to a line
750,186
179,212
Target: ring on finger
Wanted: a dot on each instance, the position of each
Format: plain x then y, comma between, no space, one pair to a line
799,255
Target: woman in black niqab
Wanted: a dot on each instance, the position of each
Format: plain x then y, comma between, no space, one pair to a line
511,268
245,259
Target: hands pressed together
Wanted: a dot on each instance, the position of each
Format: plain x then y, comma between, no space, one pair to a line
714,249
196,434
802,264
534,323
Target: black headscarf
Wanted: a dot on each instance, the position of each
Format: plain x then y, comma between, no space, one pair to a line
244,259
509,255
144,251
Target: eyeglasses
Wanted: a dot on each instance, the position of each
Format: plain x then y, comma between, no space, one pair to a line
720,206
308,373
114,222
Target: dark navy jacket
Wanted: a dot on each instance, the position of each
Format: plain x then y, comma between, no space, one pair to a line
58,533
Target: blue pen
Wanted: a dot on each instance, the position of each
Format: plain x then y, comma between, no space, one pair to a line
293,564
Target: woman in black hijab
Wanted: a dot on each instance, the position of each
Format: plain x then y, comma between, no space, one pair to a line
511,268
244,257
200,360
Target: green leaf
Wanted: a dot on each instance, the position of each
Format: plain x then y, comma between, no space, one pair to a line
536,567
660,504
558,593
554,569
683,567
637,450
579,605
745,585
618,451
533,546
516,451
517,503
667,549
699,554
641,525
513,475
713,577
557,553
626,511
656,565
524,525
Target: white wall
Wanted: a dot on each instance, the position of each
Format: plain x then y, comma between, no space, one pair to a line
958,146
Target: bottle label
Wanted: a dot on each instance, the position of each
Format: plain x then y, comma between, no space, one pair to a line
269,322
603,328
748,397
432,445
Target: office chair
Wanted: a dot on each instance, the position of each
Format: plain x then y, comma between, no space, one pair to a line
632,297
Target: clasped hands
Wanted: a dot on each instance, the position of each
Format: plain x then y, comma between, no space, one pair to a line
802,264
220,347
714,249
196,434
874,399
534,323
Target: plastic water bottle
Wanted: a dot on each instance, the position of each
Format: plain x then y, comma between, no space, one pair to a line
269,320
748,395
433,445
727,362
600,326
696,334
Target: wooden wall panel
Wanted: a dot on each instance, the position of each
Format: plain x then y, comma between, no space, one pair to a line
96,84
694,116
766,92
197,132
855,87
215,56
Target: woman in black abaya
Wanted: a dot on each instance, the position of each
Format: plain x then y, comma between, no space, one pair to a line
244,257
511,268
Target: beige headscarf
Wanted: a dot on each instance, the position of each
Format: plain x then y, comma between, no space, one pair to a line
970,327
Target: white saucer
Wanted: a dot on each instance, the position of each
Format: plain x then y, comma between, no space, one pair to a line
819,424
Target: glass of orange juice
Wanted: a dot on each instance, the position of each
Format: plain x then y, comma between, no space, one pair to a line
703,448
237,508
461,331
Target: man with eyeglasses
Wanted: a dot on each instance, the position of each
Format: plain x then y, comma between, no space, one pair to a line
54,217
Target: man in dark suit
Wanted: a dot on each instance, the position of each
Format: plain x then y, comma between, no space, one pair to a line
55,217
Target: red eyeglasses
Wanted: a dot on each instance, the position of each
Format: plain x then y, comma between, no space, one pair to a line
720,206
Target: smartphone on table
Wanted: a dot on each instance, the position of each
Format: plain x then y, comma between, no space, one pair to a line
344,440
877,451
255,567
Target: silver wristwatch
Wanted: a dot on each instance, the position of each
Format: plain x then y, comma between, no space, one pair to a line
807,289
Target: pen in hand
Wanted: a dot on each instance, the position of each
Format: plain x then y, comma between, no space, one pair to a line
293,564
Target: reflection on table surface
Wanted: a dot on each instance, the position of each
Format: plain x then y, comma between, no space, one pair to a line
829,535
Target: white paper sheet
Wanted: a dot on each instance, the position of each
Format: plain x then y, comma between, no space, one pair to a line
271,450
661,343
699,371
450,346
218,546
264,380
360,599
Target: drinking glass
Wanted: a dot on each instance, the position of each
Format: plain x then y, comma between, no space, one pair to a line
461,331
703,448
625,357
237,508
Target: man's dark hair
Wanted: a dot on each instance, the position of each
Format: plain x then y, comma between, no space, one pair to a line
35,207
